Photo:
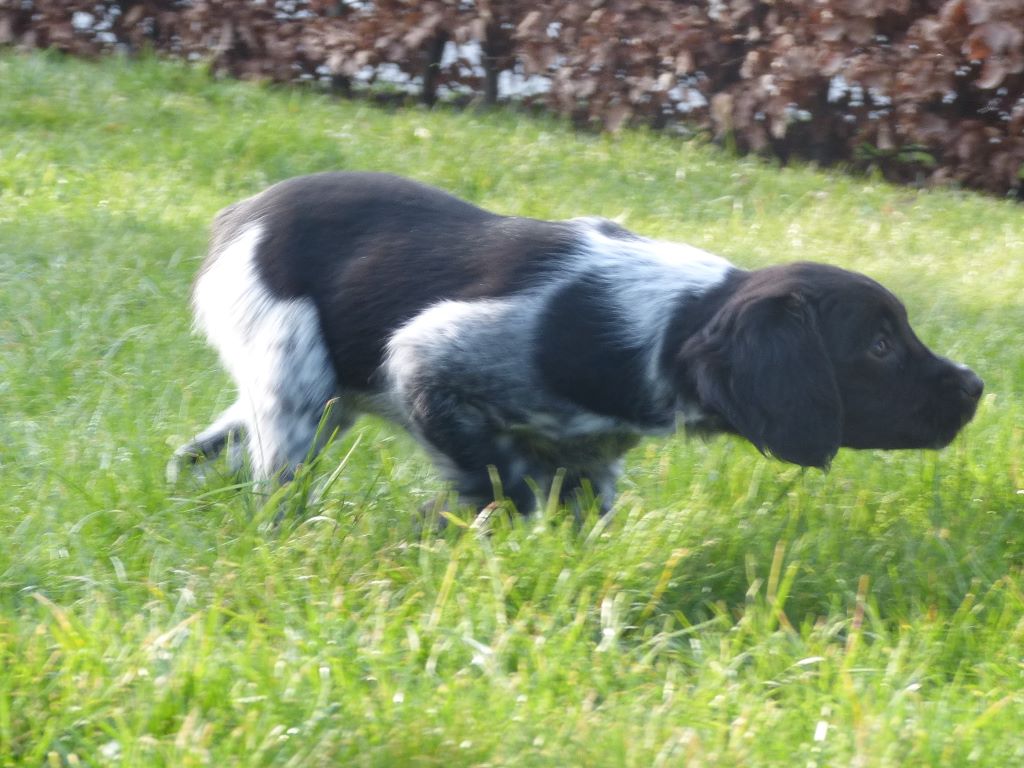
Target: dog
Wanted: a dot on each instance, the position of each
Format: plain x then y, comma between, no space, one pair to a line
517,350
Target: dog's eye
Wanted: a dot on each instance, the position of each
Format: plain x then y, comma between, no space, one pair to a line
880,347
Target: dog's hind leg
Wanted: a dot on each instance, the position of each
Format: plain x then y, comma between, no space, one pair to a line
284,432
227,431
287,389
468,448
274,350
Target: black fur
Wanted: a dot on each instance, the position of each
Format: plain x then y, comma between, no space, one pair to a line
785,362
761,365
580,336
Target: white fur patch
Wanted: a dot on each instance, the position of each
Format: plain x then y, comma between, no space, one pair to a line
650,279
478,334
271,347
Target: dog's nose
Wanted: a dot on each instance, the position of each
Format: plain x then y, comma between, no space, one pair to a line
971,384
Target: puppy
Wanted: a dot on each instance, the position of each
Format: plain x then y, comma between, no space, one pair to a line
522,347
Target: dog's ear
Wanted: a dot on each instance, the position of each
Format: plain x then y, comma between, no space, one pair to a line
761,365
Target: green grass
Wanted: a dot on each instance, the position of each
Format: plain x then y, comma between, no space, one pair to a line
734,610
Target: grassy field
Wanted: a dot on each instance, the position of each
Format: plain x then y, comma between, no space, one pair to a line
733,611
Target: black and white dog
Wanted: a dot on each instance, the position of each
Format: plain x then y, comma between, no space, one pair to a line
523,346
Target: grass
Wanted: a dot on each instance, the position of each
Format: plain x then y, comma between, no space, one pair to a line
734,610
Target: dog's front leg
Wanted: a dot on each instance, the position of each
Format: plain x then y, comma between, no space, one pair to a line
482,461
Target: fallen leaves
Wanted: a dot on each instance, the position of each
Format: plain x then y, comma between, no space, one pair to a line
814,78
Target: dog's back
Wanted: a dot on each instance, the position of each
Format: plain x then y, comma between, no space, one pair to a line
371,250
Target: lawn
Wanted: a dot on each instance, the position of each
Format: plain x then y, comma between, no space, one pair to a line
733,610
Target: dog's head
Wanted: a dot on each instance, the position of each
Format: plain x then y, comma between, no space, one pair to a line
805,358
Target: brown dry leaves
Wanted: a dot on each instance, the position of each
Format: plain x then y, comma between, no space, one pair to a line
924,89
